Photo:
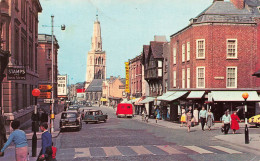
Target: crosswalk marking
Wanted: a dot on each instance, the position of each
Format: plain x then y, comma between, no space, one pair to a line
140,150
198,150
227,150
170,150
111,151
82,152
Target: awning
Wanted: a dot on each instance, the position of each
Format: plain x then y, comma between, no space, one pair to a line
124,100
103,99
165,95
139,100
234,96
147,99
131,101
175,96
195,94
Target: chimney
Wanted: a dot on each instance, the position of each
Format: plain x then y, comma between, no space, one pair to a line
240,4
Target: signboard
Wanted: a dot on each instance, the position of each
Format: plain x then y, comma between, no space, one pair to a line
127,88
45,95
45,87
62,85
16,73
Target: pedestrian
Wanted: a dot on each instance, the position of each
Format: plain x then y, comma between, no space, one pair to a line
82,114
188,120
46,151
234,122
183,116
18,137
202,116
210,119
196,116
3,138
226,119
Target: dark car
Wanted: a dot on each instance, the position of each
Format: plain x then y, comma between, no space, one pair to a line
94,116
70,119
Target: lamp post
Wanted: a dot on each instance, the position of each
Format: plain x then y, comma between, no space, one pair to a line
52,116
35,92
245,96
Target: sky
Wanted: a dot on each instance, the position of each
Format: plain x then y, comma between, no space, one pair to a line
126,25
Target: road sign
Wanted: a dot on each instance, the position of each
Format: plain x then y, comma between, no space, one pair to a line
48,100
45,87
45,95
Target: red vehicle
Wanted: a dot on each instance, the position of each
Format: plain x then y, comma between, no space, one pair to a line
124,110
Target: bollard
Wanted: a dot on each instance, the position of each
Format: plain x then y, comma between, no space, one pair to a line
246,135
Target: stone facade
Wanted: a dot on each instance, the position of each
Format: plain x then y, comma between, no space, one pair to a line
96,59
20,37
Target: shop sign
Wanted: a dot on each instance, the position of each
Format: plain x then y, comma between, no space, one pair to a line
16,73
127,88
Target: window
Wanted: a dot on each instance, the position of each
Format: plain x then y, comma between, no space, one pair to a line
49,54
183,53
188,77
232,48
183,78
16,42
159,72
174,55
200,77
200,49
49,74
30,56
35,59
23,9
174,79
231,77
160,64
188,51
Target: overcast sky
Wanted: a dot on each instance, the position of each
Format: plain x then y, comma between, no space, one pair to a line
126,25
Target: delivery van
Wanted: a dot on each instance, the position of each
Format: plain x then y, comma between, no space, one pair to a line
124,110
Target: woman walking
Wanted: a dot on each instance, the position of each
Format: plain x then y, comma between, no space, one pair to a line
188,120
234,122
183,116
20,141
210,119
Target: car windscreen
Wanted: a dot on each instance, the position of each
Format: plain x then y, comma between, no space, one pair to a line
68,115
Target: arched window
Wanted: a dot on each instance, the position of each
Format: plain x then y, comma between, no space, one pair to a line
99,60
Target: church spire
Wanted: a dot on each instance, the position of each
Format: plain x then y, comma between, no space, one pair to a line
96,38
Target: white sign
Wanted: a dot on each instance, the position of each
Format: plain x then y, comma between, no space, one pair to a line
62,85
48,100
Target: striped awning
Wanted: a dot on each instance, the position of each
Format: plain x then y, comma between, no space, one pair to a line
138,100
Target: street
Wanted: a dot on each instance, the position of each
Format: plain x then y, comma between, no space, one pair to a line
132,139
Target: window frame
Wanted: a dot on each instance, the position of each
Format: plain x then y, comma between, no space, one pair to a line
183,78
174,78
188,51
197,49
174,55
235,67
183,52
197,78
228,57
188,78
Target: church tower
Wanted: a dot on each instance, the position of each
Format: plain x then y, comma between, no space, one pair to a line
96,59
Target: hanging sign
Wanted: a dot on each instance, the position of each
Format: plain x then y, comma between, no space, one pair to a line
16,73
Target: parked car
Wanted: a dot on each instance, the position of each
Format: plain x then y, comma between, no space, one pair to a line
124,110
88,104
70,119
255,120
94,116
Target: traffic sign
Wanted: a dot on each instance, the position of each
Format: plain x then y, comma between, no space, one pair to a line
45,87
48,100
45,95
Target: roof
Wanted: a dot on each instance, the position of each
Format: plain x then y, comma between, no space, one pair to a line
157,49
221,11
95,85
44,38
123,80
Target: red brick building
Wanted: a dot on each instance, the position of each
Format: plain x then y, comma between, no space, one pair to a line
19,22
135,74
212,60
45,62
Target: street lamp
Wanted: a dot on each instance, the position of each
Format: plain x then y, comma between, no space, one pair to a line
52,116
36,93
245,96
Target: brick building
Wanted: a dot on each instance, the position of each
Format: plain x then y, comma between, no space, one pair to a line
135,74
45,63
212,59
19,22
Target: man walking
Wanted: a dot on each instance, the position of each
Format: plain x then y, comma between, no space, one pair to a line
202,116
46,152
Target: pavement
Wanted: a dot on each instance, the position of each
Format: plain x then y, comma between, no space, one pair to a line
10,151
234,139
